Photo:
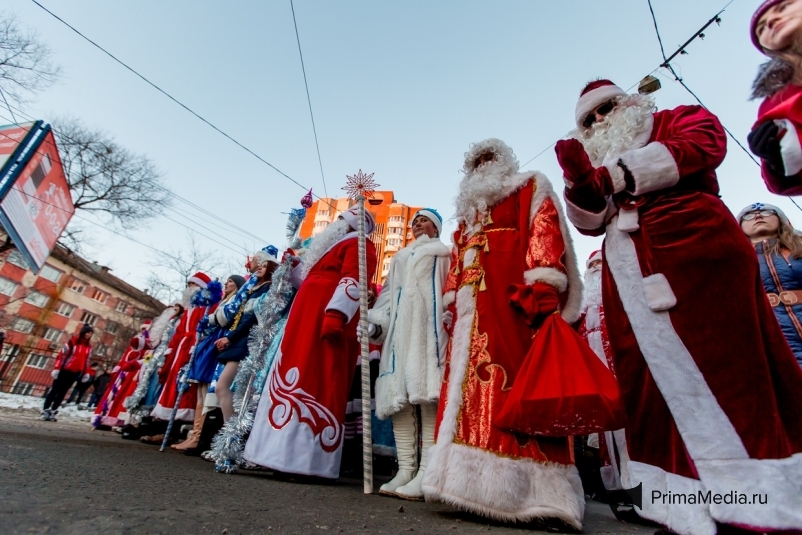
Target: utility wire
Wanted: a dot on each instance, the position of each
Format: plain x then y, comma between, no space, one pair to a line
659,39
8,106
308,99
175,100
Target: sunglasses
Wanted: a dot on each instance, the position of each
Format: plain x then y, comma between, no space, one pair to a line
764,213
602,110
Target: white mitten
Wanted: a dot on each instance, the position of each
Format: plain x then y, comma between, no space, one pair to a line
85,378
54,374
448,318
371,330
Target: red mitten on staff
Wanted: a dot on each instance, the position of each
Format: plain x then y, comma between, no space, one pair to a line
333,323
535,302
579,171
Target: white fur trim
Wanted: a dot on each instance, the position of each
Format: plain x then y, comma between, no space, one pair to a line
583,219
345,298
628,220
548,275
448,298
573,305
593,99
616,174
653,168
592,319
503,488
163,413
468,258
658,292
709,437
790,148
200,282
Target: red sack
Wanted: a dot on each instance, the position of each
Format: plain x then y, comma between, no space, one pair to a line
562,388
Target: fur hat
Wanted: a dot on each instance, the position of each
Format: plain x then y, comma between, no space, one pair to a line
352,217
593,95
266,254
200,278
761,10
432,215
594,256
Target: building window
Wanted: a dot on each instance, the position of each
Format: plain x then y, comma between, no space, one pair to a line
7,287
396,219
9,352
36,299
51,334
112,327
88,317
324,212
22,325
23,389
17,259
100,296
78,286
321,224
50,273
122,306
37,361
65,309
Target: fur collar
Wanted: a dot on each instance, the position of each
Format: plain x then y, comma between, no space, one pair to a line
426,246
771,78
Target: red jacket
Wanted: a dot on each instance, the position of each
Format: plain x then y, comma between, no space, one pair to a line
74,356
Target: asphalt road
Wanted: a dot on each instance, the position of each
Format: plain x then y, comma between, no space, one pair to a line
63,477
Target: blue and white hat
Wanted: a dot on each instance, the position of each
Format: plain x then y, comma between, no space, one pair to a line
763,206
433,216
266,254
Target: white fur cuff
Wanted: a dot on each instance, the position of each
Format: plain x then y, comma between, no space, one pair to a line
449,298
583,219
616,174
653,168
550,276
628,220
658,292
790,148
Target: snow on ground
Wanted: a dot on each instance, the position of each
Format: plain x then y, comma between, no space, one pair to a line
33,403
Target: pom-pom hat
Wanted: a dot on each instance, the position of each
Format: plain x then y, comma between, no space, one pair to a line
594,256
765,6
594,95
200,278
432,215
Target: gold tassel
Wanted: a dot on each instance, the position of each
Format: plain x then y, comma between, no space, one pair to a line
487,246
456,268
489,219
482,286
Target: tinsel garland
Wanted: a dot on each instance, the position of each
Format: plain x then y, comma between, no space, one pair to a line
228,444
153,365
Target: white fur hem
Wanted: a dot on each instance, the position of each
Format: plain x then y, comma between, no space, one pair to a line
653,168
593,99
616,175
163,413
448,298
503,488
550,276
583,219
790,148
658,292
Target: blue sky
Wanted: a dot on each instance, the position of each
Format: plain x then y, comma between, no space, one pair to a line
398,88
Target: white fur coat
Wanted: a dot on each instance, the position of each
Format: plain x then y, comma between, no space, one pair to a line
409,311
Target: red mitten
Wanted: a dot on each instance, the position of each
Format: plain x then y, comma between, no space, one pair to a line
130,366
536,302
574,160
333,323
289,253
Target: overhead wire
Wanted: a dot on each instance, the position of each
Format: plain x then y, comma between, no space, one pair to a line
308,98
176,101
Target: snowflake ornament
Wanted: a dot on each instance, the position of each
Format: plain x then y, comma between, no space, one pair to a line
360,185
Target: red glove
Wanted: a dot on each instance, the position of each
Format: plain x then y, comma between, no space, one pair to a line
578,170
333,323
535,302
130,366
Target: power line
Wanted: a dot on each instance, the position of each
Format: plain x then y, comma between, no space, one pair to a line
308,99
175,100
659,39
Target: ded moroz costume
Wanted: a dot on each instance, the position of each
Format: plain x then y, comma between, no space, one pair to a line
299,424
513,265
709,384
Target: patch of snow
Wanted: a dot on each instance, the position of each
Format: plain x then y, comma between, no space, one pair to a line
34,403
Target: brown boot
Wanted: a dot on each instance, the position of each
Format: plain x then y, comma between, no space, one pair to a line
155,440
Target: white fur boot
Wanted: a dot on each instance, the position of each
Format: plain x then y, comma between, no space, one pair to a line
428,415
406,441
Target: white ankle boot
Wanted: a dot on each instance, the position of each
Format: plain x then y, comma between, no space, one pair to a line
406,438
412,490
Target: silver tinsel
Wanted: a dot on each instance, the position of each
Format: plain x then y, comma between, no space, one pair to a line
133,403
228,444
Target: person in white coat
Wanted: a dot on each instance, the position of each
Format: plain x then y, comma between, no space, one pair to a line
408,318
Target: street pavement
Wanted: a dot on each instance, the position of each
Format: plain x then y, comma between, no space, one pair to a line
62,477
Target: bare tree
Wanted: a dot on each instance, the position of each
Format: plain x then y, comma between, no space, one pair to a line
106,178
25,63
174,267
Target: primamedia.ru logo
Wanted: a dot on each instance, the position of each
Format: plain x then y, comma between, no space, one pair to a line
701,497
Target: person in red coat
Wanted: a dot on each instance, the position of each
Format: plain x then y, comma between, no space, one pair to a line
178,354
710,387
72,364
300,422
513,267
776,136
110,410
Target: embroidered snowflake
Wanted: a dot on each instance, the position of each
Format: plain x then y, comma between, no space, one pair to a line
360,185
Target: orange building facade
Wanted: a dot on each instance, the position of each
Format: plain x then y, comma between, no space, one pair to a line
393,224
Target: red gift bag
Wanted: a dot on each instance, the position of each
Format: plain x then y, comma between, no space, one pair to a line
562,388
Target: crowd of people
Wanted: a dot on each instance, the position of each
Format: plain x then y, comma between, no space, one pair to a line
680,365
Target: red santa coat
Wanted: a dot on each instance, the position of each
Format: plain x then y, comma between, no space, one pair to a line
474,465
122,384
300,422
710,387
785,109
181,345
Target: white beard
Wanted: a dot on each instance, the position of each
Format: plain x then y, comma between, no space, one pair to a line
619,131
593,289
481,190
322,243
186,295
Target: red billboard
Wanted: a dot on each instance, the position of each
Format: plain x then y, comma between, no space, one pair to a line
35,201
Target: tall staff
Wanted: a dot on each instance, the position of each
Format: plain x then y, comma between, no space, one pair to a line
360,187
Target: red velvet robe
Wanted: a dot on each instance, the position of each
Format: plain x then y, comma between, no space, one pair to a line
474,465
181,346
300,421
785,108
710,386
121,385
